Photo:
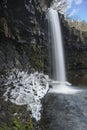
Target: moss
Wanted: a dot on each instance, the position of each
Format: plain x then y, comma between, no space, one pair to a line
17,118
28,125
37,58
3,126
38,63
16,125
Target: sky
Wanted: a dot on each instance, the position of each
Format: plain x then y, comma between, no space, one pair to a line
78,9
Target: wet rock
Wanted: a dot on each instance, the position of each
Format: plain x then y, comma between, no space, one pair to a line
65,112
22,35
75,48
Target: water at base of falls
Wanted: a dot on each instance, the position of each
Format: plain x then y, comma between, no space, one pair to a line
63,88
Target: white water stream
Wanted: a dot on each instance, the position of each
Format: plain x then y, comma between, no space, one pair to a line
58,65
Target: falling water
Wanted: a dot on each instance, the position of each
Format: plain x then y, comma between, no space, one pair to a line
57,47
60,85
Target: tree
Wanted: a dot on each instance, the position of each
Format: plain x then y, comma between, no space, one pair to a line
77,23
60,5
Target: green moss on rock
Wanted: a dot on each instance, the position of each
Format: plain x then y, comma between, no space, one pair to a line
14,117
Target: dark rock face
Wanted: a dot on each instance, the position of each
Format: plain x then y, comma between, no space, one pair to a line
75,48
22,38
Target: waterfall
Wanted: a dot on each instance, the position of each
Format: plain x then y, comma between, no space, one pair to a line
59,84
58,65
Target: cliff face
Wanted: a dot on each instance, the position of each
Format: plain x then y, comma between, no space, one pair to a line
75,46
22,39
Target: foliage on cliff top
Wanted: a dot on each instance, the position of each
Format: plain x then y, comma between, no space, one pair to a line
78,24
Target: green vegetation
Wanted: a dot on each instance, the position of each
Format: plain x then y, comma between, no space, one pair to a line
37,58
15,118
16,125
